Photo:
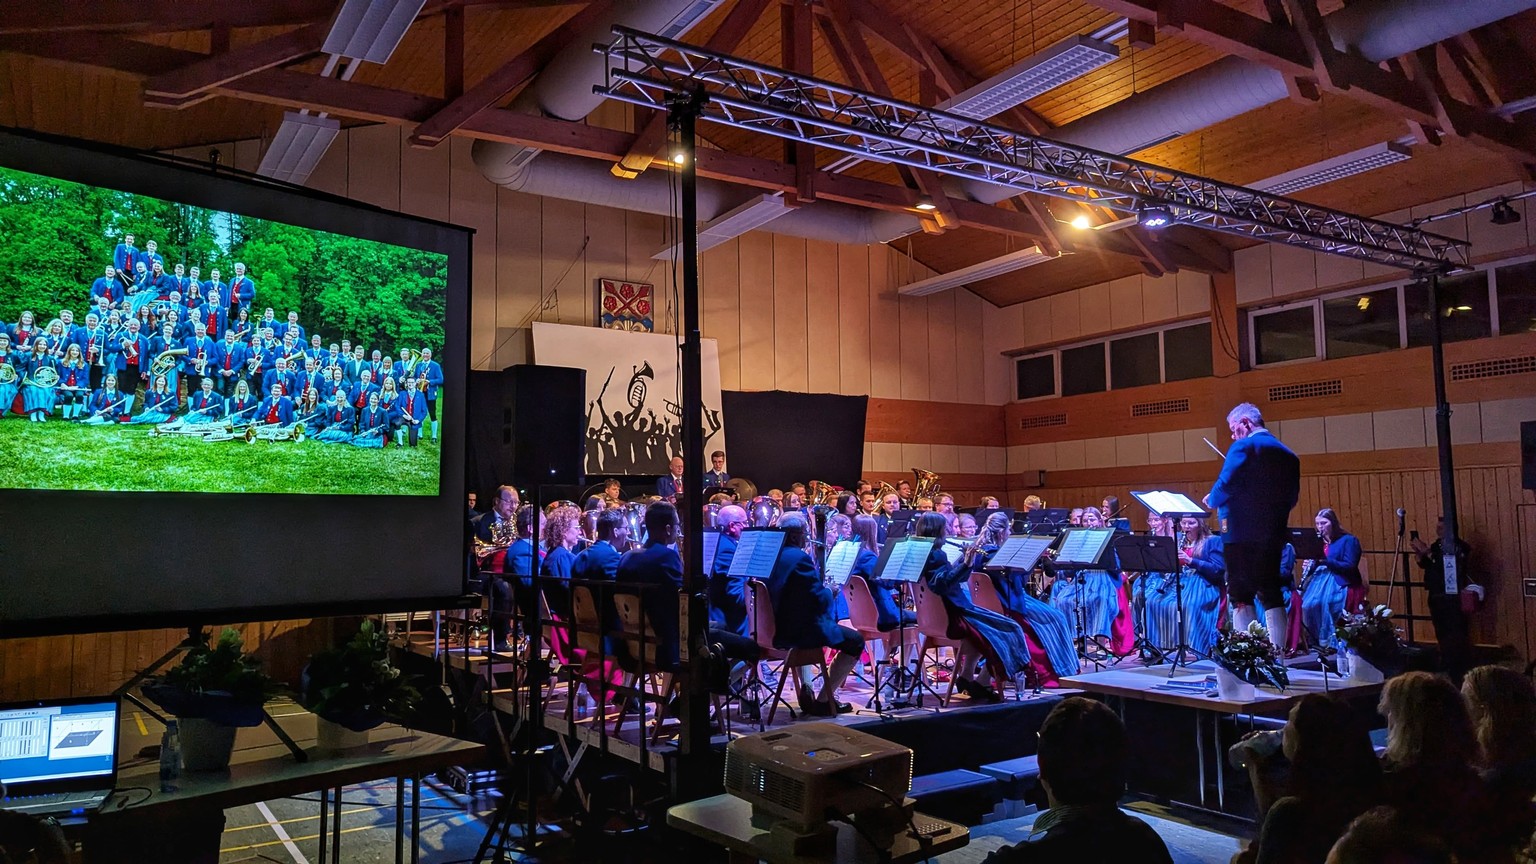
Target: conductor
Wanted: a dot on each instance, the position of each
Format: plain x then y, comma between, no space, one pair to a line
1259,484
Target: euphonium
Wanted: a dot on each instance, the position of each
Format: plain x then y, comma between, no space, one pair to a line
166,361
884,490
927,485
819,492
763,512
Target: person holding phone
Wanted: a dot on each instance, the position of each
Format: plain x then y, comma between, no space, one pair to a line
1445,610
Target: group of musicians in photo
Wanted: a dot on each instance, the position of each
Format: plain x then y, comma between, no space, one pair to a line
1041,626
157,347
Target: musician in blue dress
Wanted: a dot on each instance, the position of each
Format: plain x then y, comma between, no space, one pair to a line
889,614
389,400
372,424
1090,598
1333,584
1045,625
430,369
74,382
308,408
1203,575
36,370
336,421
107,405
276,409
159,403
10,381
206,405
562,531
413,411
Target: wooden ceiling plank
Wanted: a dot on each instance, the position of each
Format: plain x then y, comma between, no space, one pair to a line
796,54
158,15
222,68
512,74
738,22
453,52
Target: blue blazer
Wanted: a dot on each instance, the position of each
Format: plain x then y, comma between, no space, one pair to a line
284,410
233,356
416,402
124,257
140,344
434,375
558,563
358,393
1259,484
598,562
658,568
108,288
802,604
244,290
103,400
212,405
727,595
1212,562
1343,558
243,411
715,478
333,416
274,377
666,487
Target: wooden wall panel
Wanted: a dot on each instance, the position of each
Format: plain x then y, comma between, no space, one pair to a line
822,312
519,273
757,310
789,314
605,258
886,355
855,348
970,361
943,367
375,179
720,314
472,203
913,347
423,180
564,242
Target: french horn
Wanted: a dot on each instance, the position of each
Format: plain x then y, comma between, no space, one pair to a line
44,377
7,373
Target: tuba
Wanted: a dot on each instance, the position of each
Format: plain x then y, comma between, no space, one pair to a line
927,485
820,493
763,512
884,490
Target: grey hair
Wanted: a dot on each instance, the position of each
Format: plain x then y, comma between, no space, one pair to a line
1246,411
793,525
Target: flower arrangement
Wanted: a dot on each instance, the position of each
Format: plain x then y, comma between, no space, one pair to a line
1370,634
1249,655
218,682
356,686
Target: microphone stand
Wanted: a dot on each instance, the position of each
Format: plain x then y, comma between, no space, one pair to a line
1397,557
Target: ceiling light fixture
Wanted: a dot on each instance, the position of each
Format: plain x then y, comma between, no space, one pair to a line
370,29
1504,214
754,213
296,149
976,272
1059,64
1346,165
1081,222
925,203
679,158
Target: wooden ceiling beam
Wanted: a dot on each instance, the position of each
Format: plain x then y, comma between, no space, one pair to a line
45,16
738,22
204,75
795,54
512,74
453,52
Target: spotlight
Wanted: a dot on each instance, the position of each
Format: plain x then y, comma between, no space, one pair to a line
1081,222
1154,217
679,158
1503,214
925,203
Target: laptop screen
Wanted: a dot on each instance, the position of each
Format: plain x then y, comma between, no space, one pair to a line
58,741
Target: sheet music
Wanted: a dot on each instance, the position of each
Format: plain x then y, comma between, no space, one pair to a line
1020,553
840,563
1160,502
755,553
1084,546
904,559
953,551
711,547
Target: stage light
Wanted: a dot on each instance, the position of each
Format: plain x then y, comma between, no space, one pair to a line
1503,214
1154,217
1081,222
679,158
925,203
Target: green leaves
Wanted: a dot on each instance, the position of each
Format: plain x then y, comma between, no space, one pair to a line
1250,655
222,668
359,679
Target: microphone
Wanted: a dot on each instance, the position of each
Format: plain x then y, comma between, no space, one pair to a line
1400,514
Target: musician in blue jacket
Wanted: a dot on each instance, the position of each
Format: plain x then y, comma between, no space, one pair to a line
890,614
336,421
212,315
230,364
372,424
716,475
107,405
158,345
413,410
92,339
280,376
1260,482
215,283
429,369
276,409
1333,584
242,404
159,403
802,608
200,362
241,288
37,398
657,567
125,256
132,358
107,286
206,405
8,388
727,594
307,376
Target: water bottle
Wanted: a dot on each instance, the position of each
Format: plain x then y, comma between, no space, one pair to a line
170,757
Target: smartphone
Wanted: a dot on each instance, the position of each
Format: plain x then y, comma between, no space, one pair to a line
1413,535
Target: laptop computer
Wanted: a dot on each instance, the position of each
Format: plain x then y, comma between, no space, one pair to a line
58,756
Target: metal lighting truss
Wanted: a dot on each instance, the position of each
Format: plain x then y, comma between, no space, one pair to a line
646,70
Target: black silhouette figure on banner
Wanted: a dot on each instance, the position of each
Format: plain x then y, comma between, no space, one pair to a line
637,442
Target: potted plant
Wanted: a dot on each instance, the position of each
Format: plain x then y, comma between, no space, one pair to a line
1369,642
213,691
354,687
1245,658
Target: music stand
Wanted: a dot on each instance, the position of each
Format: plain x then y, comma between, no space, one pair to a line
756,553
902,561
1308,546
1085,549
1052,519
1144,553
1173,505
711,548
840,564
1019,553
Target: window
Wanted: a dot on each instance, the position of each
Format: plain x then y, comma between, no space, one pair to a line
1037,376
1517,297
1187,352
1358,324
1464,312
1133,361
1284,335
1082,369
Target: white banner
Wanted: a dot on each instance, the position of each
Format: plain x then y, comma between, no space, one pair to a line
633,391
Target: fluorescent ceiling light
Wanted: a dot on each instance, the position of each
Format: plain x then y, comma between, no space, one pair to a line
687,18
1059,64
1518,106
753,214
976,272
297,147
370,29
1337,168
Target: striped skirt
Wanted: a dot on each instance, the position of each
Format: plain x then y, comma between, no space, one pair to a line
334,435
1201,602
1049,627
35,398
1096,593
1321,604
7,396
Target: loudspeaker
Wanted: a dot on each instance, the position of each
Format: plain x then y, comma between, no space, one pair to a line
528,427
1528,454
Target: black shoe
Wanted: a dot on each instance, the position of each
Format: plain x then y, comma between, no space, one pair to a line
842,707
751,710
815,708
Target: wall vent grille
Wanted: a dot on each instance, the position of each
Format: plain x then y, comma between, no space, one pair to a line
1307,390
1493,368
1166,406
1041,421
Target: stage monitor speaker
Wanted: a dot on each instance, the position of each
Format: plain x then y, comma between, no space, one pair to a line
528,427
1528,454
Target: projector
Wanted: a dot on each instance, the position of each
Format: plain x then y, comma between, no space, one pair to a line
798,778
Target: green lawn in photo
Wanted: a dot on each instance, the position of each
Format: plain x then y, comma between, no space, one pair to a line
127,458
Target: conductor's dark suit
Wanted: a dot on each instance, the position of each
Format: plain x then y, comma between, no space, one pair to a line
1259,485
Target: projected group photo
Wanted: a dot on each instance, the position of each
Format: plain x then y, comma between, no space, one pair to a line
152,346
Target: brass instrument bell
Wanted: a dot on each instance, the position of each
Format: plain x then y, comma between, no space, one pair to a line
763,512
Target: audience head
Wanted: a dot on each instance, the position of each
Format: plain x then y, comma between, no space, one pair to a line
867,532
1381,836
1082,754
661,523
1330,752
1427,722
1502,706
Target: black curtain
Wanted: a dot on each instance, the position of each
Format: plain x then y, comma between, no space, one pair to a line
777,438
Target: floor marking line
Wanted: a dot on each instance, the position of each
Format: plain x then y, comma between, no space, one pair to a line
282,835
